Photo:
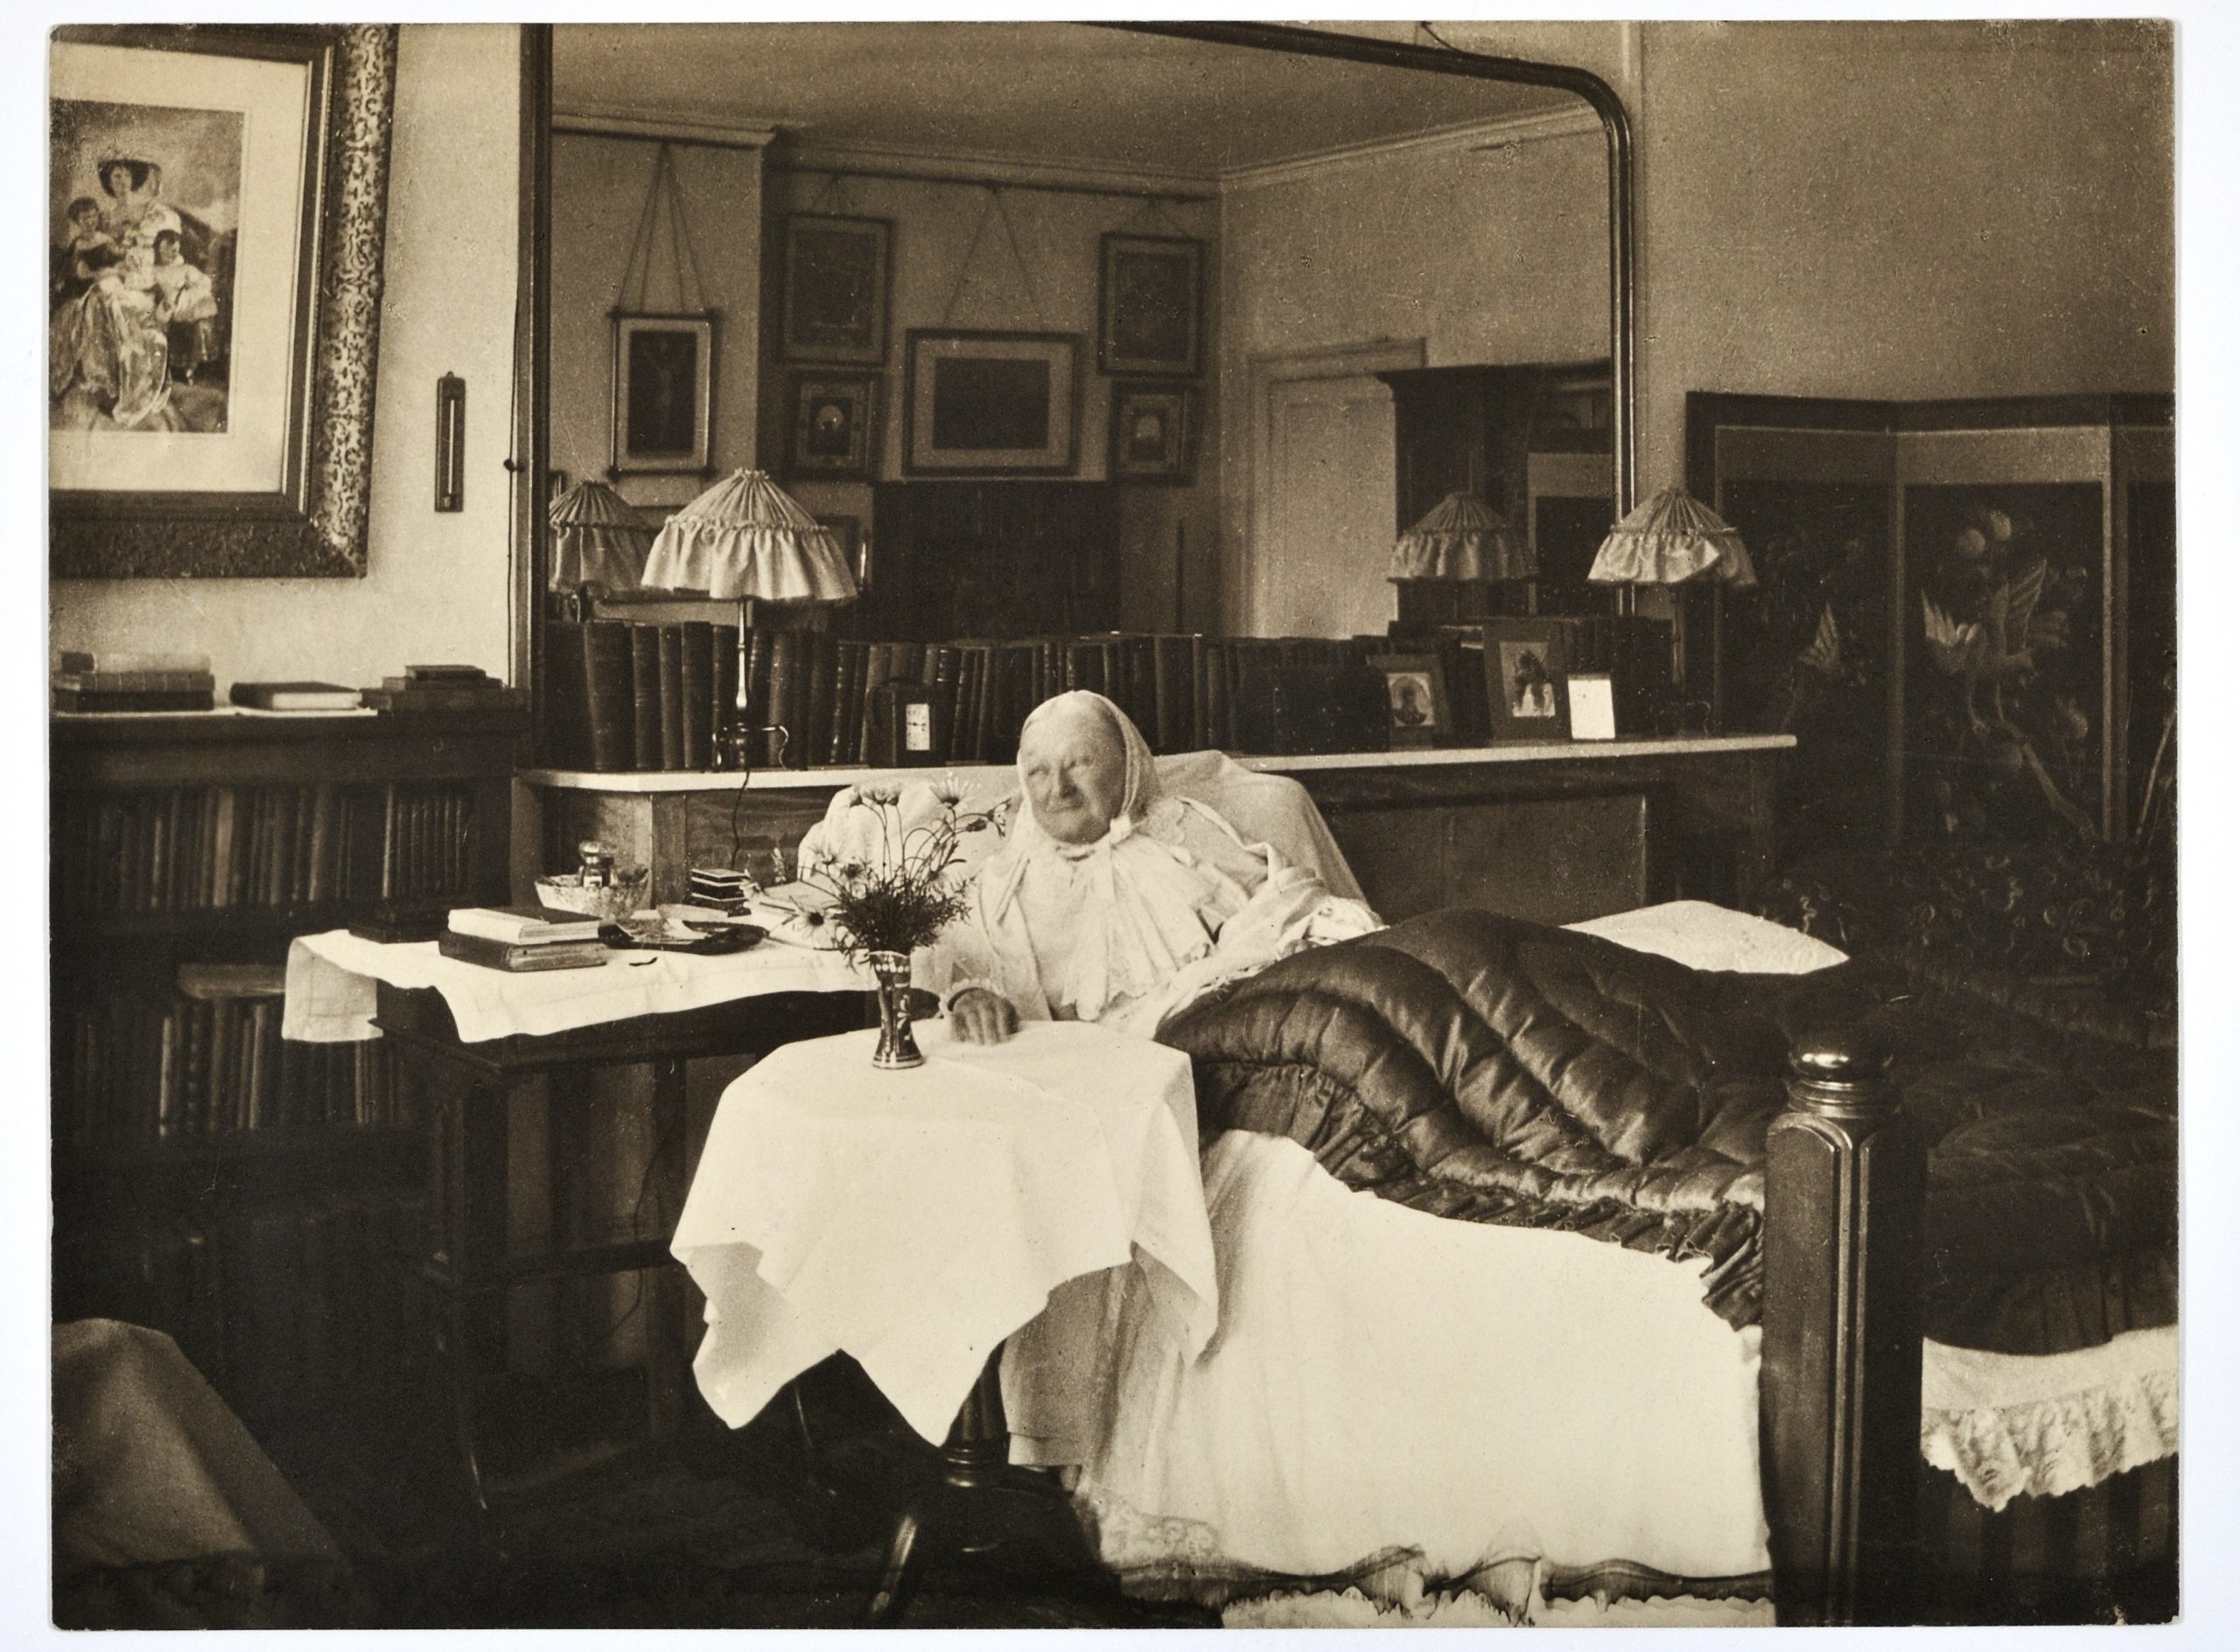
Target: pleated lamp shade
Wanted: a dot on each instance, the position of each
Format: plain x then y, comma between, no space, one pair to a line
1669,538
1461,537
745,537
596,539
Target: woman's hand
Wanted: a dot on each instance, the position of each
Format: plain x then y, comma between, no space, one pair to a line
981,1016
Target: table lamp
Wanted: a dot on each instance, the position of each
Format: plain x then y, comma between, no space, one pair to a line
747,539
596,539
1461,537
1671,539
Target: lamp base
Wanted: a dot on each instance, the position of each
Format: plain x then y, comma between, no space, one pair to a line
734,748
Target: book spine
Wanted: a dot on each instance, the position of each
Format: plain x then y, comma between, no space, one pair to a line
758,679
879,669
645,696
697,643
786,700
820,661
723,709
671,643
610,695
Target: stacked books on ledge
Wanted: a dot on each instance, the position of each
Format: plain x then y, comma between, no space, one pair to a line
115,681
295,697
445,688
521,939
643,696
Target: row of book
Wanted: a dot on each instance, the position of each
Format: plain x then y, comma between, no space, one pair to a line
287,1310
113,681
653,696
138,1071
192,848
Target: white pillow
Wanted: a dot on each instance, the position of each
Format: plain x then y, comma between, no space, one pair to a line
1706,937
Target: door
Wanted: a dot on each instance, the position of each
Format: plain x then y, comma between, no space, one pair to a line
1325,535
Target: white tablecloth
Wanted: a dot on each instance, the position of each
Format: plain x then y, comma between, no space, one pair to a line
914,1220
330,986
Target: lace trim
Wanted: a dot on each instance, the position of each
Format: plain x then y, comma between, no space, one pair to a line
2049,1447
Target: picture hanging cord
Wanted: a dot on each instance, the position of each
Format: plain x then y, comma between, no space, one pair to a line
663,191
1152,214
993,209
833,197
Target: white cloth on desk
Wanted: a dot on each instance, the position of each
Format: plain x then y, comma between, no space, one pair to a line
914,1220
330,986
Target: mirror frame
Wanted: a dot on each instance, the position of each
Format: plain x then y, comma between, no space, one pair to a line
533,429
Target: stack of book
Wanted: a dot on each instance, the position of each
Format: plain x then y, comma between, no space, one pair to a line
113,681
445,688
521,939
295,697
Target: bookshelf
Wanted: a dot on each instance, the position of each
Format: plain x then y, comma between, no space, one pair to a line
239,1192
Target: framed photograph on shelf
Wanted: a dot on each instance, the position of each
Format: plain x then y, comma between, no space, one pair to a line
836,288
836,426
1150,305
1154,430
218,199
1417,710
991,403
1526,661
910,723
664,392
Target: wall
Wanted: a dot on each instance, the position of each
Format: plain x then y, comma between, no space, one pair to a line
1953,211
941,279
1495,258
599,186
437,586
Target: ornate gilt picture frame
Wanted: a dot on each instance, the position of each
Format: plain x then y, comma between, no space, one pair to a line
216,233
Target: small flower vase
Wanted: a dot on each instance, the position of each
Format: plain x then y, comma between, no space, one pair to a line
897,1047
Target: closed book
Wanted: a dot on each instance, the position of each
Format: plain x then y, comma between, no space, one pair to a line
494,697
723,708
824,667
878,667
608,694
294,697
698,640
95,700
847,702
134,682
520,925
446,674
646,697
787,699
671,644
118,660
521,960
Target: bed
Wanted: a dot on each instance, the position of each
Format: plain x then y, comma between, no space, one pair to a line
1700,1087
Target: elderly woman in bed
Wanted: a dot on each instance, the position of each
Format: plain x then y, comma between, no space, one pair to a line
1110,901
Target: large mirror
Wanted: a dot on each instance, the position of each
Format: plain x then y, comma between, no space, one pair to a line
1072,328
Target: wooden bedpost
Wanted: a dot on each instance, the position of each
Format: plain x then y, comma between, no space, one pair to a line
1841,1379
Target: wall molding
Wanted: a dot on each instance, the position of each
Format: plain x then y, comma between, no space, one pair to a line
938,165
591,120
1470,136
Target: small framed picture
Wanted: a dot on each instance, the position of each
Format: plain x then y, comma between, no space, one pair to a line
1151,304
990,403
1526,659
836,426
836,288
1416,711
1153,432
664,391
910,725
1593,704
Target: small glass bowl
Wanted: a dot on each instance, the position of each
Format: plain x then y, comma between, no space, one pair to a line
609,902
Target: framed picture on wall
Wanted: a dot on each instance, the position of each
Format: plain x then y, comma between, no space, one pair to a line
836,288
991,403
1417,710
1150,305
1153,432
664,392
836,426
217,203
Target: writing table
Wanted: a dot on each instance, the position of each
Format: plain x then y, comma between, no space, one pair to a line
469,1035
